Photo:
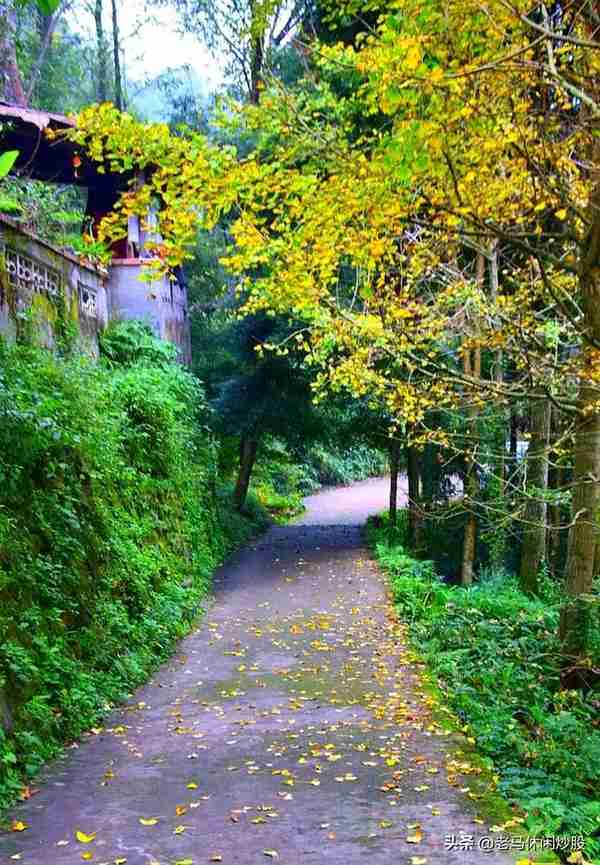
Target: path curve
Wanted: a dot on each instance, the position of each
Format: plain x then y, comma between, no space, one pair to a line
289,727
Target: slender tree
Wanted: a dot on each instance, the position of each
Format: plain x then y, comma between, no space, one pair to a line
533,553
101,65
119,92
395,452
472,370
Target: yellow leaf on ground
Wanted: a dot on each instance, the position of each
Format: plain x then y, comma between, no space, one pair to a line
415,838
18,826
83,838
151,821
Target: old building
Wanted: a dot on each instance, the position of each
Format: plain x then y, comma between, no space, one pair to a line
51,289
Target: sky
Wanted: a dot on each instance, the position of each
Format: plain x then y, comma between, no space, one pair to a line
152,44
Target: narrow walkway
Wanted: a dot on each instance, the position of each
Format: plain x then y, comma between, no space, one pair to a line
288,728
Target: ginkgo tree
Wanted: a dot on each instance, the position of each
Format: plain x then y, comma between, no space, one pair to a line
485,149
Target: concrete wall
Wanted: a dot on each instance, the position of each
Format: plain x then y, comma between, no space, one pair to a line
162,303
44,289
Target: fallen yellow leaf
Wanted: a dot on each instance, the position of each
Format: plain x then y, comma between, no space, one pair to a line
19,826
151,821
415,838
83,838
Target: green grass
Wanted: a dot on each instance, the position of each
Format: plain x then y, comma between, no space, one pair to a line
496,657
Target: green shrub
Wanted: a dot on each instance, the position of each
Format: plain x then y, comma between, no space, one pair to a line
331,466
110,527
496,655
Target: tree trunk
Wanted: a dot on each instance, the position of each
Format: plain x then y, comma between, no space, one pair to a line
6,718
583,534
498,547
394,473
11,84
471,368
555,482
533,553
46,27
248,450
257,53
470,493
101,71
414,494
514,440
119,100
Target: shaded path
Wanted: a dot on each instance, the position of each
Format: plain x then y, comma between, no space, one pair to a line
290,722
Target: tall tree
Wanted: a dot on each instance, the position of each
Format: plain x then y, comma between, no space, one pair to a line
101,64
244,33
533,553
583,535
13,88
11,84
119,93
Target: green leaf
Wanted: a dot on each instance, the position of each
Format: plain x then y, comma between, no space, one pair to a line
7,160
46,7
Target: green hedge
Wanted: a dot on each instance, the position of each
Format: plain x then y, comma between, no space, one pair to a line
110,527
495,654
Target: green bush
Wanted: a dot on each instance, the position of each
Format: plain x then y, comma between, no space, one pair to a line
331,466
497,658
110,527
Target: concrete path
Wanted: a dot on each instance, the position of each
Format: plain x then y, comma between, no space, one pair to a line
289,727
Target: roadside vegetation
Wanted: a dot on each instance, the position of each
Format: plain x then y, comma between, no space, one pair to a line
495,654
